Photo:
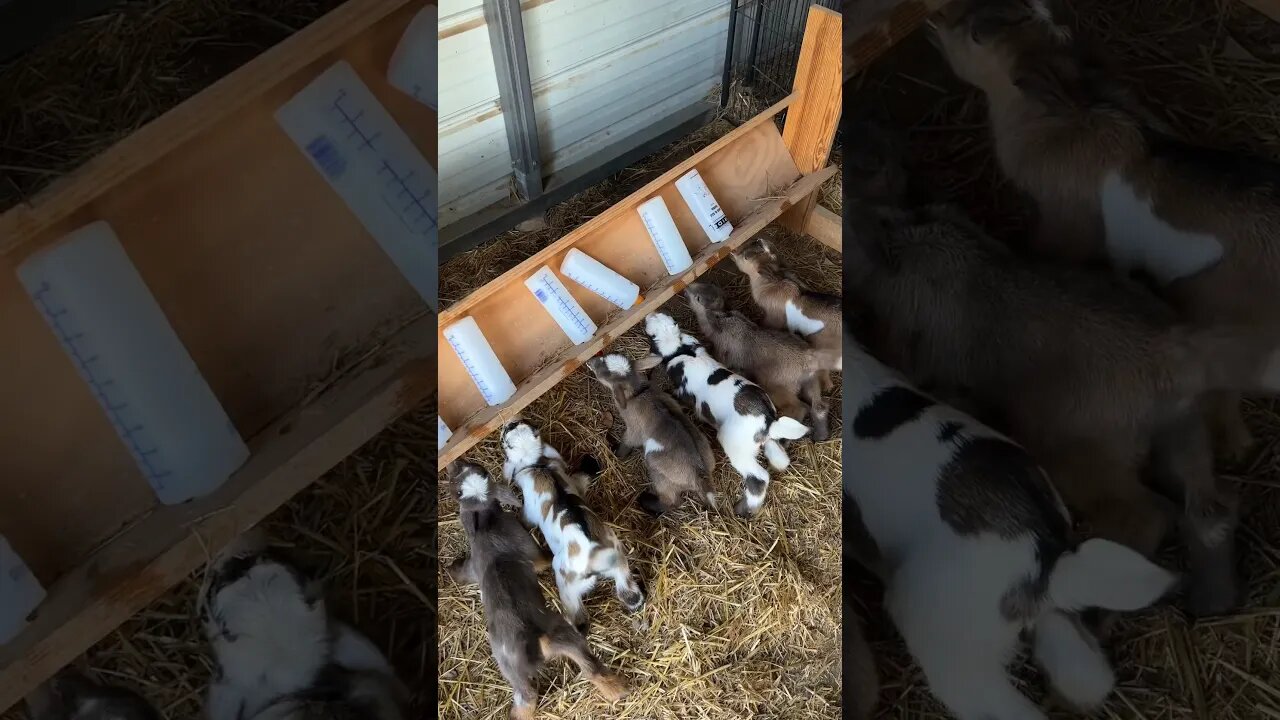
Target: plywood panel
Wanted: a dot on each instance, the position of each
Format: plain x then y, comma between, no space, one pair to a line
265,275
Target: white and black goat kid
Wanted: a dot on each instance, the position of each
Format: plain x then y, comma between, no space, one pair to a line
280,654
523,631
583,546
744,416
975,548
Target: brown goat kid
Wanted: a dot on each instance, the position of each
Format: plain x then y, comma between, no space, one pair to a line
524,632
787,367
1091,373
1112,183
677,455
789,305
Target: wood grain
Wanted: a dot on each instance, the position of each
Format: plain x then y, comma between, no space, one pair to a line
826,227
488,419
814,116
869,41
265,275
162,548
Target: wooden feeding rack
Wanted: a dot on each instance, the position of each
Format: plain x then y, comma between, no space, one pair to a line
757,174
307,333
876,30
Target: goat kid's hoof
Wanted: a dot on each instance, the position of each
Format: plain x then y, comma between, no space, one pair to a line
590,465
612,686
522,712
650,503
1205,600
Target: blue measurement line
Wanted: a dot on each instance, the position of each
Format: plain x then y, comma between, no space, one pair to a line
415,200
128,433
485,390
564,305
599,291
662,250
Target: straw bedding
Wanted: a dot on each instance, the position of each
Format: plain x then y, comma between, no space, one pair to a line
1210,68
742,618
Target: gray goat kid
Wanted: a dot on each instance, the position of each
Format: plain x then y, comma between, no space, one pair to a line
1112,182
280,654
676,453
786,366
72,696
975,549
524,632
1092,373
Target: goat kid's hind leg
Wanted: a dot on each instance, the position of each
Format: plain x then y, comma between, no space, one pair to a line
565,642
819,420
572,587
1182,458
519,674
755,478
627,585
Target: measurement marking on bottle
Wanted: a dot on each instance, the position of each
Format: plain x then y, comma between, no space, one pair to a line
115,408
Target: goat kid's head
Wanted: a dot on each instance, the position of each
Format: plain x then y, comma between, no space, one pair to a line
985,41
617,373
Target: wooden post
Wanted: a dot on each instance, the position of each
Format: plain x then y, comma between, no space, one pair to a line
812,120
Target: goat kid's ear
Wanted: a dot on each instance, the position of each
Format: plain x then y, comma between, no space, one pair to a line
504,494
647,363
619,396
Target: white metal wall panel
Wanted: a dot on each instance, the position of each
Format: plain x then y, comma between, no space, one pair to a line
601,69
604,69
475,159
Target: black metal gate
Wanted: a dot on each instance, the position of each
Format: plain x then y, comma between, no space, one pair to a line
762,52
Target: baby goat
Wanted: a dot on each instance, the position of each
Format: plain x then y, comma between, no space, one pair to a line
1091,373
783,364
742,412
1112,182
788,304
280,654
72,696
676,454
976,550
584,548
523,631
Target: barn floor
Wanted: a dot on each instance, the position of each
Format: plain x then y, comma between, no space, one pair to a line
368,526
743,617
1210,68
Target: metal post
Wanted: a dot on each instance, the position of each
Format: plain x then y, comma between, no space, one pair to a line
727,77
755,45
515,90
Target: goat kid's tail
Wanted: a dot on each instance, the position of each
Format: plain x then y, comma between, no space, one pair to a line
1104,574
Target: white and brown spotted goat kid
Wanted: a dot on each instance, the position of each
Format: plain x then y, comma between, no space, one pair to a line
280,654
1113,183
584,547
788,304
975,549
676,453
786,366
524,632
745,418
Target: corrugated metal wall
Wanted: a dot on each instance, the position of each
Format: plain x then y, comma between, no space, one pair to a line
601,69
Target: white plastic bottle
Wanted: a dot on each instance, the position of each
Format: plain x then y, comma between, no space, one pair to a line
413,65
481,362
556,300
20,593
443,433
665,235
698,197
122,345
599,279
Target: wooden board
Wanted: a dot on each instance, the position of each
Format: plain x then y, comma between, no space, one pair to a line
298,320
874,32
162,548
826,227
264,274
814,117
1270,8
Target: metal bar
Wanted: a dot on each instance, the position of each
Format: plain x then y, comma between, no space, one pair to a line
515,90
487,224
726,78
755,44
